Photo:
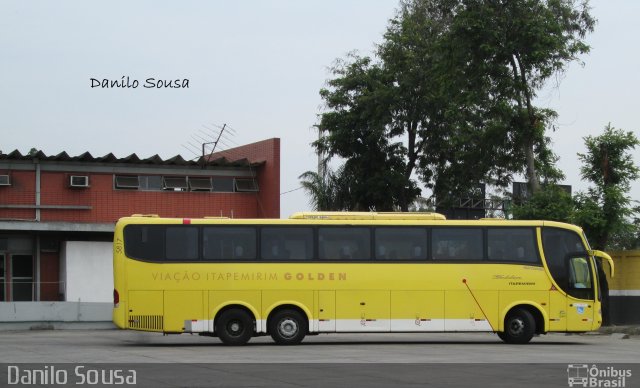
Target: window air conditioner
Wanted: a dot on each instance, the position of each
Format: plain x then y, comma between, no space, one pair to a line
79,181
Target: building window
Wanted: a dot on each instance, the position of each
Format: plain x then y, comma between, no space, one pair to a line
222,185
200,184
184,183
151,182
5,180
246,185
174,183
127,182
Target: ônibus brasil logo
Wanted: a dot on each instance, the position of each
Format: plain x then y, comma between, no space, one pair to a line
583,375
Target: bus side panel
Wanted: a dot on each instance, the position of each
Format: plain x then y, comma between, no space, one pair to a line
251,299
510,299
580,314
146,310
463,312
271,299
417,310
557,311
181,306
363,310
326,311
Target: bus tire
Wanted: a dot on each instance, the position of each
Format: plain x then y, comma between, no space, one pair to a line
234,327
288,327
519,327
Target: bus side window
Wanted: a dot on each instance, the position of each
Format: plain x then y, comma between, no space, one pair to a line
228,243
145,242
286,243
344,243
512,244
457,244
182,243
400,243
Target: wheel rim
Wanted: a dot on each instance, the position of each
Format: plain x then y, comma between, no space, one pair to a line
288,327
516,327
235,328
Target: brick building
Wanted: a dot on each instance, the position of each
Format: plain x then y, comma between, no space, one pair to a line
57,212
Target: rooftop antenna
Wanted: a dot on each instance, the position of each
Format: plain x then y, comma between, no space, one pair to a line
215,143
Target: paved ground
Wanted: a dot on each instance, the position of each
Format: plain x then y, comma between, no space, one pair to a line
364,360
104,346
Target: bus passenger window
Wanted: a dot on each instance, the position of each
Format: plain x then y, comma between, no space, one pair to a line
401,243
459,244
288,243
512,245
182,243
145,242
344,244
228,243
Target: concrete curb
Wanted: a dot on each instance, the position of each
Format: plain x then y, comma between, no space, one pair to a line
626,329
24,326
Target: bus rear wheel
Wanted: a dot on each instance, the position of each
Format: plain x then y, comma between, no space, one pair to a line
234,327
288,327
519,327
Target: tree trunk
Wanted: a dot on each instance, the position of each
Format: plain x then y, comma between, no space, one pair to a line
412,155
532,175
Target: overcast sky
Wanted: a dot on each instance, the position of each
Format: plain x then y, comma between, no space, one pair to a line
254,65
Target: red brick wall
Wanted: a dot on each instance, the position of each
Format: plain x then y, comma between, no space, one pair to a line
107,204
21,192
268,199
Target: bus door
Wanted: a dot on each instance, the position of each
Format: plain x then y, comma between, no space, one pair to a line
581,291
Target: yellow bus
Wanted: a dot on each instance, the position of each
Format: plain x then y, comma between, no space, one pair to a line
331,272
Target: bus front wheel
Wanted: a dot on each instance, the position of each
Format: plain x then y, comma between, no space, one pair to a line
287,327
234,327
519,327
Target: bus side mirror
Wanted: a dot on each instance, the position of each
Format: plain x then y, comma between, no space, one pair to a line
604,256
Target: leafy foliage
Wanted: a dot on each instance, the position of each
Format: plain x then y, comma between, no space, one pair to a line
549,203
358,130
604,211
448,98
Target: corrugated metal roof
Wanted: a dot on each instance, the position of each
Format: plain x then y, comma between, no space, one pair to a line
177,160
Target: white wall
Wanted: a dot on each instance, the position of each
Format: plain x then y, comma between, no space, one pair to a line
86,267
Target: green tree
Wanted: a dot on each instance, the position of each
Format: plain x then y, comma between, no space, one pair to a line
605,210
551,202
328,192
507,51
450,97
357,128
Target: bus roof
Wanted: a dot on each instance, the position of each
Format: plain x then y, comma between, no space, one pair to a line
351,218
366,216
